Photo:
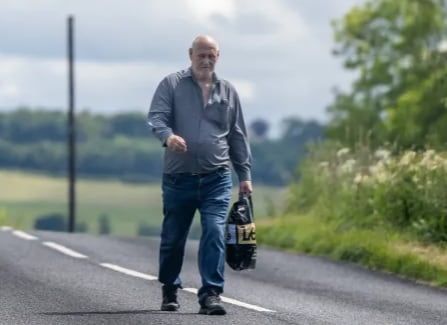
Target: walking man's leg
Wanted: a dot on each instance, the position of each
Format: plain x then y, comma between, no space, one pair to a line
215,195
179,205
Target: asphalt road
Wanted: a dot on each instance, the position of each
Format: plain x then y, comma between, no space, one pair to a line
59,278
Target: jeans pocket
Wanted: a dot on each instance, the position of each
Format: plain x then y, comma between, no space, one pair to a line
169,179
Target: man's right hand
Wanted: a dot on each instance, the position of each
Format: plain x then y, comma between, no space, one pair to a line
176,143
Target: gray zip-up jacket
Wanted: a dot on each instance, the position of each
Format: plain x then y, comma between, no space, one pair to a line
215,133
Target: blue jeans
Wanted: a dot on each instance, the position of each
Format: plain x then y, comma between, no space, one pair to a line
183,194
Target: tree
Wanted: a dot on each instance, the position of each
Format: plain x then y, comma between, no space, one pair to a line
297,130
259,128
129,124
24,125
400,91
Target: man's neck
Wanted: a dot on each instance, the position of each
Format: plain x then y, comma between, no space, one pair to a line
205,82
203,79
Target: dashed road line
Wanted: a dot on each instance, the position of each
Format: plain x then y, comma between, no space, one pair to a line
126,271
24,235
129,272
64,250
191,290
235,302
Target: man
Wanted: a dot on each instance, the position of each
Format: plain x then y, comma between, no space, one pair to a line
198,118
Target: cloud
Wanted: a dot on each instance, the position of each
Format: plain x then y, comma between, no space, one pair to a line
104,30
245,89
104,87
204,11
9,91
276,52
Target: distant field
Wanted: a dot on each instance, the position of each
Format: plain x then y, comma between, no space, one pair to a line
25,196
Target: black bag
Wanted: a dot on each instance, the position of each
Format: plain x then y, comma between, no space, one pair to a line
241,235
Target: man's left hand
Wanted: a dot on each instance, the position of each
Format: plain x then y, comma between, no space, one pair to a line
245,187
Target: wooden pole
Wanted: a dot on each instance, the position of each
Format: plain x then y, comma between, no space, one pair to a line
71,130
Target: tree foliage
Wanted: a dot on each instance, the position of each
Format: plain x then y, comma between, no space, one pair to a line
122,146
259,128
398,50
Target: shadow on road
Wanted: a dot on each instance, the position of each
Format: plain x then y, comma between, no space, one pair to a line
81,313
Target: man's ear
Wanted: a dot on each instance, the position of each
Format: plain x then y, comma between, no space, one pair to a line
190,53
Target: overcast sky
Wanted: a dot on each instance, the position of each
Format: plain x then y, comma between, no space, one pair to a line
276,52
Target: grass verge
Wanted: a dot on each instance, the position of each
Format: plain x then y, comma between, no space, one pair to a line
377,249
27,196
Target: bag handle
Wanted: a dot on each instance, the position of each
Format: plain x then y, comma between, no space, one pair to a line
250,202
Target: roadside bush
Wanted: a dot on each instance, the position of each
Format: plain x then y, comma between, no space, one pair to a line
104,225
54,222
406,191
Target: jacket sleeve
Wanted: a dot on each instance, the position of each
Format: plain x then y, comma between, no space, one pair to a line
160,111
240,153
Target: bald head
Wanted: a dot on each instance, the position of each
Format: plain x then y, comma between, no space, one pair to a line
204,53
204,41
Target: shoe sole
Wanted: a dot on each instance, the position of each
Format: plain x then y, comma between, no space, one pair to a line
212,311
170,308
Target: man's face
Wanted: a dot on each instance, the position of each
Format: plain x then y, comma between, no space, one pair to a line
203,60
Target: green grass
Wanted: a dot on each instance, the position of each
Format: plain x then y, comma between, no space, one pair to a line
25,196
377,249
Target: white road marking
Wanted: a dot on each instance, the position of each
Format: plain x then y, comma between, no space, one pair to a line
192,290
64,250
129,272
133,273
23,235
235,302
245,305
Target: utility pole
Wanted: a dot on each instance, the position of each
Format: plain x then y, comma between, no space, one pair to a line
71,130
